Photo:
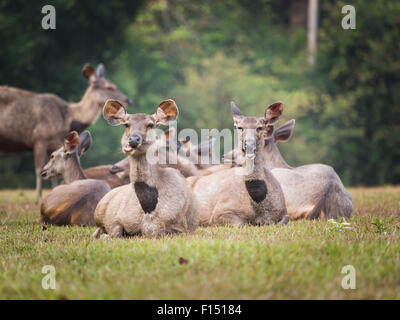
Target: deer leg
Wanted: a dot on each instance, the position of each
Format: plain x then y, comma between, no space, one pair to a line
284,221
98,233
40,155
116,231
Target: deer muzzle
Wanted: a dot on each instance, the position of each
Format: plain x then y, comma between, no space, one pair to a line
134,142
249,148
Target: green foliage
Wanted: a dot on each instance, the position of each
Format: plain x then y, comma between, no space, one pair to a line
379,225
51,60
205,54
298,261
361,71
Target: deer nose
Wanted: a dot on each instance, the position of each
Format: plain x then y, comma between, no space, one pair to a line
134,141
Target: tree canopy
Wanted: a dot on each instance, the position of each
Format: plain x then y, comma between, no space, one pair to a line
206,53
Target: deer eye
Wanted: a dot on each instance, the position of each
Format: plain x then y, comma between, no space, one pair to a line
239,128
259,129
126,125
150,126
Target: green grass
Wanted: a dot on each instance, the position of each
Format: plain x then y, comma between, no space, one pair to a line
300,261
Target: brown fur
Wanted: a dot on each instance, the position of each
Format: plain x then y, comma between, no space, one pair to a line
198,153
120,212
185,166
103,173
73,203
224,196
311,191
38,122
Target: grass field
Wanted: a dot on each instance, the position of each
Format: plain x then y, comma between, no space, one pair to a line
300,261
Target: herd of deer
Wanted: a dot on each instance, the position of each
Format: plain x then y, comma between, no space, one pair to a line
136,197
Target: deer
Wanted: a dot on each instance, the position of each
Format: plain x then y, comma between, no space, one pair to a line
197,153
172,158
243,195
311,191
202,156
38,122
115,175
158,199
74,202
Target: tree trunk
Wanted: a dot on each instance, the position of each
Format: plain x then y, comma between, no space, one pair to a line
312,28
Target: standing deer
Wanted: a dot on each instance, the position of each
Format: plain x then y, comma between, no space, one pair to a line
158,199
311,191
38,122
247,195
74,202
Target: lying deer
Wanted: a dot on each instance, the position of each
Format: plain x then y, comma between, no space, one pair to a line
171,157
200,154
158,199
185,166
311,191
115,175
247,195
38,122
74,202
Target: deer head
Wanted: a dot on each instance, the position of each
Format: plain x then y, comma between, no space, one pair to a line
138,135
74,146
251,130
102,89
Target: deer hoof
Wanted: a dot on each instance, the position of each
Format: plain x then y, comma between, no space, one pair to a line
284,221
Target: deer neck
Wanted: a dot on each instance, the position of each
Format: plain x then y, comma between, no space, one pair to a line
86,111
255,178
272,156
254,167
141,170
143,177
73,170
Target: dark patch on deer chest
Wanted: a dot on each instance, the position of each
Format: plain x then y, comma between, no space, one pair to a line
148,196
257,189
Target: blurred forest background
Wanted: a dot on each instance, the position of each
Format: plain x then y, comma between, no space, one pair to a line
206,53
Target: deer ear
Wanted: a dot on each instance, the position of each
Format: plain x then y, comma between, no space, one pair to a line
169,133
268,131
87,71
85,141
100,71
115,169
71,141
235,110
170,138
120,166
273,112
114,112
284,132
166,111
